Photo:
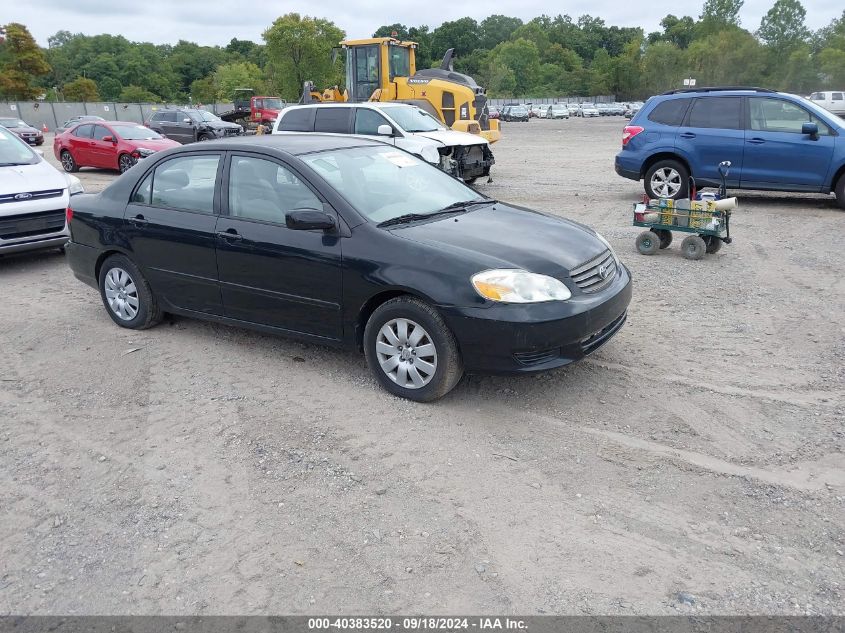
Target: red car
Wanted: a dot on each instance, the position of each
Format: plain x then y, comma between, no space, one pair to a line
107,144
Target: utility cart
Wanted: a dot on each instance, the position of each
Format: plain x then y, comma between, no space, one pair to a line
707,218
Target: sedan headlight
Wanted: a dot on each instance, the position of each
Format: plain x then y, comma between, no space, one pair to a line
519,286
430,154
74,185
143,152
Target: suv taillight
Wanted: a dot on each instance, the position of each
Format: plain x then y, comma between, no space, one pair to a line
630,132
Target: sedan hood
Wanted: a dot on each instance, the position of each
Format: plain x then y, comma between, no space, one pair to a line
41,176
511,237
453,137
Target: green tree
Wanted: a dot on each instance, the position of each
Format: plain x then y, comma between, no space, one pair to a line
137,94
522,58
496,29
832,63
717,15
730,57
801,74
81,89
462,35
388,30
678,31
230,77
782,28
299,49
22,62
203,90
664,67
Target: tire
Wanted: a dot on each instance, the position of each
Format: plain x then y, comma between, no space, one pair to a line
648,243
203,137
68,162
440,356
714,244
120,277
693,247
666,179
471,181
840,191
124,163
665,236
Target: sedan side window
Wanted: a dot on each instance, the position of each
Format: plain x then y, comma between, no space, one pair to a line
100,132
264,190
367,121
186,183
83,131
776,115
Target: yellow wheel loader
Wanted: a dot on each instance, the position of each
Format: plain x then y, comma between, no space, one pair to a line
385,69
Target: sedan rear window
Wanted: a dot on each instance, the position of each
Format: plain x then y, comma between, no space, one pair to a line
669,112
186,183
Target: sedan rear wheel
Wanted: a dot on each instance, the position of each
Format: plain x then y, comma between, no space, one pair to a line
127,296
411,351
125,163
68,163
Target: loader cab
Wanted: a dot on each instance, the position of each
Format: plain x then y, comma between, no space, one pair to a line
373,63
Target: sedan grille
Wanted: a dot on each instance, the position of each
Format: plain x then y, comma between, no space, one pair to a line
30,195
596,273
29,224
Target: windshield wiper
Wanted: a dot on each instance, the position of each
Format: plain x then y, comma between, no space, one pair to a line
455,207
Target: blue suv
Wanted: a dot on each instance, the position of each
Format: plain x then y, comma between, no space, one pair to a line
775,142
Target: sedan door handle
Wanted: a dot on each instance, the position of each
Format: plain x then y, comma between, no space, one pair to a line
756,141
230,234
139,220
687,135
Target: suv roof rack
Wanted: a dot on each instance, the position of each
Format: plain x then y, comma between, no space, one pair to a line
717,89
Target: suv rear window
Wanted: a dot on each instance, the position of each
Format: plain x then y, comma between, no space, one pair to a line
669,112
332,120
716,112
298,120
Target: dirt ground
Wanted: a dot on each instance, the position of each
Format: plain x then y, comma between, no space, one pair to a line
693,465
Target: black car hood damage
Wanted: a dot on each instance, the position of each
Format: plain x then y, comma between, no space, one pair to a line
511,237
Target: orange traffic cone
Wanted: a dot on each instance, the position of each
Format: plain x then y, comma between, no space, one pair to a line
44,128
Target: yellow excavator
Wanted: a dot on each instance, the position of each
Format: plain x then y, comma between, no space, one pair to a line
385,69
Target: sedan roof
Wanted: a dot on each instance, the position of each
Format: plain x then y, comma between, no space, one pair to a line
292,143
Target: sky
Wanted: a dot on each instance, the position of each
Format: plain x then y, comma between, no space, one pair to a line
212,22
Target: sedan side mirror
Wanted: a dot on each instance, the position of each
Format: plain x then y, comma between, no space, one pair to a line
309,220
109,139
811,130
384,130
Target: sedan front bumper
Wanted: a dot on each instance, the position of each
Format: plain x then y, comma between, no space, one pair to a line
524,338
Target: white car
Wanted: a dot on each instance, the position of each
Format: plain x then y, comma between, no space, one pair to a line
833,101
573,109
588,110
34,197
557,111
466,156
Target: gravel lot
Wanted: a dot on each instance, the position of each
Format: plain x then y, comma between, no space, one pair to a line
693,465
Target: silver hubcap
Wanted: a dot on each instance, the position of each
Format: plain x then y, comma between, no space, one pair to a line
406,353
666,182
125,163
121,294
67,161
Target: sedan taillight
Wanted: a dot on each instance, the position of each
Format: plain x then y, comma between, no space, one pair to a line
630,132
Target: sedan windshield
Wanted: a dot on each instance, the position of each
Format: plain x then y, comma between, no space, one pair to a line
13,151
413,119
383,183
136,133
519,110
12,123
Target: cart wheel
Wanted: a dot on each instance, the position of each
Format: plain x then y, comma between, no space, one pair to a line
714,244
648,243
693,247
665,236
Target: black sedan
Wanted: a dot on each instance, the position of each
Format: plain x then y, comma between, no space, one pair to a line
347,241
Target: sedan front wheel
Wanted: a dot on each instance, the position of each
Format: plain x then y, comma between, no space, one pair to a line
411,351
127,296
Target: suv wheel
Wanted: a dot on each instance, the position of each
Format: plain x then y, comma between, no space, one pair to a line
667,179
411,351
840,191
